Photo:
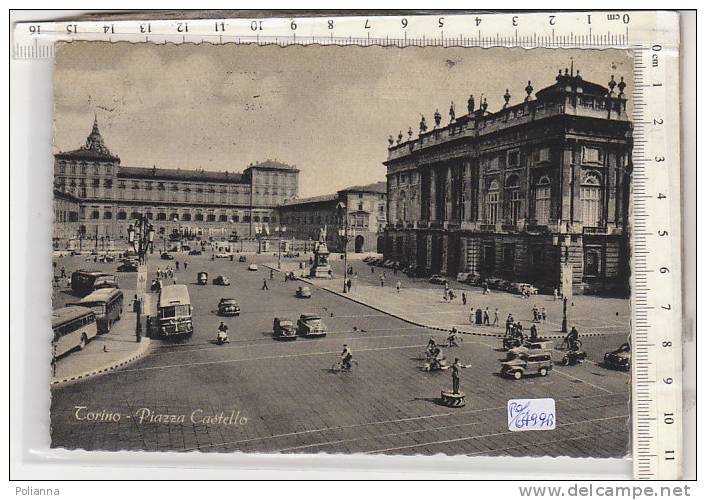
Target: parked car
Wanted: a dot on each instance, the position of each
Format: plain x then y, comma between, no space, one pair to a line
292,255
252,267
437,279
242,258
303,292
195,252
463,277
368,258
520,288
284,329
221,280
527,364
222,255
167,256
128,266
618,359
228,307
310,325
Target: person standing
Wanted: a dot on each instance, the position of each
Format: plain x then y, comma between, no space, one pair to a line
556,294
177,265
398,285
496,317
486,317
349,284
509,322
264,284
382,280
544,315
463,298
455,375
185,264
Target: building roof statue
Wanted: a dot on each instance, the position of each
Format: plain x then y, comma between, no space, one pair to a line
437,118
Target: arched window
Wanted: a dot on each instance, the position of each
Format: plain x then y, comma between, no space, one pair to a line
223,218
512,186
211,217
135,215
543,201
199,217
591,200
161,216
186,217
122,215
493,202
107,215
95,214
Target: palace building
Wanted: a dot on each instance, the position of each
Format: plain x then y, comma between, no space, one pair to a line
537,191
110,196
365,210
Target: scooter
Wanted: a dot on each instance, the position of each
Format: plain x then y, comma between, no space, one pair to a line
222,338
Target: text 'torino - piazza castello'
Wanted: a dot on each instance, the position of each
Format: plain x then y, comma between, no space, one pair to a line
537,191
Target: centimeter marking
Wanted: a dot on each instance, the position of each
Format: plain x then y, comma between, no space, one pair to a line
655,227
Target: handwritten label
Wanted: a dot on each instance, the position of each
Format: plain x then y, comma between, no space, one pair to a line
531,414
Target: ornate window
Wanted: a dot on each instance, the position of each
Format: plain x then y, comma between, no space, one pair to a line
591,200
186,217
107,215
592,155
592,263
512,185
513,158
161,216
493,202
199,217
95,214
543,201
122,215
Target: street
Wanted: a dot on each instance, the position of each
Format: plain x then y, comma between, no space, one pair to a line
260,395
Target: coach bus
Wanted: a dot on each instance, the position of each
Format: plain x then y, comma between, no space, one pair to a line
106,304
84,282
174,311
74,327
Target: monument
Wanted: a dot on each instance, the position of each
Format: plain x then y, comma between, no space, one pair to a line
320,267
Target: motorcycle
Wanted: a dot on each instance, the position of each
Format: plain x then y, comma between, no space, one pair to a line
222,338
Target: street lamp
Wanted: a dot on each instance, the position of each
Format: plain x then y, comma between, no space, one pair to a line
258,232
280,230
343,236
176,219
565,244
141,237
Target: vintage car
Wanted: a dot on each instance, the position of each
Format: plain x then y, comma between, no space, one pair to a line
463,277
291,255
303,292
166,256
242,258
222,255
228,307
195,252
156,285
310,325
520,288
221,280
529,347
252,267
618,359
284,329
527,364
202,278
437,279
128,266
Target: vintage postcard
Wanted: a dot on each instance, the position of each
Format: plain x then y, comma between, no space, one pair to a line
342,250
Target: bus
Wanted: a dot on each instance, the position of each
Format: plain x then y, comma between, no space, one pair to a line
74,327
174,311
106,304
84,282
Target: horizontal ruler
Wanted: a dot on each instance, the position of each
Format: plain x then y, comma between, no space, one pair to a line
561,29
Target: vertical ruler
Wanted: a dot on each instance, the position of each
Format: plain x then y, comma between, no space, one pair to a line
656,262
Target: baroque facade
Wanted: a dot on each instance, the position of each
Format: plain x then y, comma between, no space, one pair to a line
365,208
194,202
538,191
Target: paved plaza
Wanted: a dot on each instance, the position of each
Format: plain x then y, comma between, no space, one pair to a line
257,394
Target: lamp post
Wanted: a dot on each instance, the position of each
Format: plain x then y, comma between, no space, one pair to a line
565,244
343,236
280,230
258,233
141,237
176,219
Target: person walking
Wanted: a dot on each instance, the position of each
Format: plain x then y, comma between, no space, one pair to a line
556,294
486,317
382,280
349,283
544,315
177,265
463,298
496,317
398,285
185,264
509,322
63,272
264,284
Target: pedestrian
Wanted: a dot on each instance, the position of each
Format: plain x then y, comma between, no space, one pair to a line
398,285
533,332
509,322
535,314
486,317
486,290
63,272
544,314
159,272
496,317
372,269
382,280
463,298
556,294
185,264
264,284
174,280
177,265
349,283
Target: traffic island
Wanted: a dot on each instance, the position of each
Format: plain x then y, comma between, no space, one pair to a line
453,399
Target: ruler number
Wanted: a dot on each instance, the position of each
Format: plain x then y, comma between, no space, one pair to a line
666,343
330,24
108,28
659,158
663,233
658,121
35,29
367,24
146,28
514,21
404,22
182,27
661,196
71,28
552,20
669,418
293,25
664,270
478,20
668,380
441,22
256,25
668,307
220,26
669,455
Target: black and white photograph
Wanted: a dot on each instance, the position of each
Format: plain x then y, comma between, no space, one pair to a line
342,250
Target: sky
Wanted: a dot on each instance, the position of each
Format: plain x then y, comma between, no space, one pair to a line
327,110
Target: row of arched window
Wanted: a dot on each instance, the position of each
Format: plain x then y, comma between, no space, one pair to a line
184,217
